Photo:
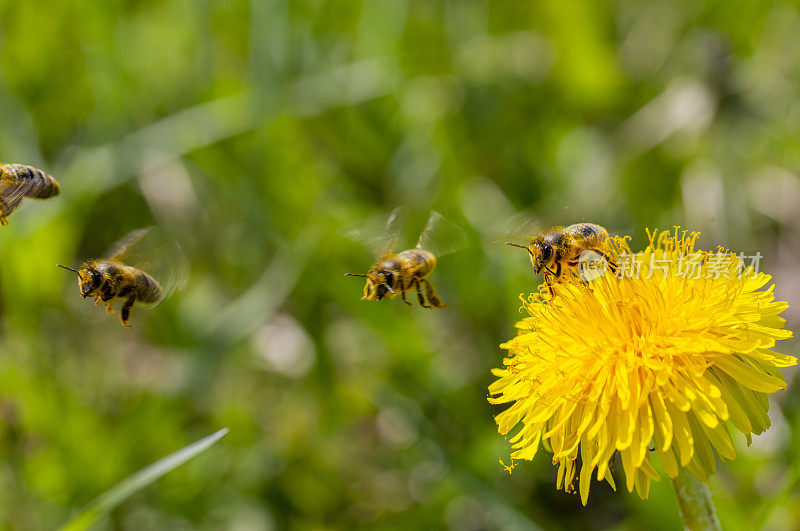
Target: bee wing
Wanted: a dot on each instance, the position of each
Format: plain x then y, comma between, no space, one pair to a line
123,249
441,236
150,251
169,266
520,228
12,193
12,189
380,234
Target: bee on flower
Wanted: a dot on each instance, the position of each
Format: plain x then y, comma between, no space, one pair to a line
659,360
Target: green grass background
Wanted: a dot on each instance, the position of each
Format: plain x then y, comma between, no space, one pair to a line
257,134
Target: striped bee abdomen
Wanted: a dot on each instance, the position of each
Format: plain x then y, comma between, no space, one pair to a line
34,183
147,288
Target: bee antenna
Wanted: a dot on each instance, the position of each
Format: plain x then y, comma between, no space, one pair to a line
520,246
67,268
346,274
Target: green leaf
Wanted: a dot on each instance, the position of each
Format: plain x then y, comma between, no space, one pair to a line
119,493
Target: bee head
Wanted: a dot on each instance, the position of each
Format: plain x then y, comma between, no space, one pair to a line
379,284
383,284
541,253
89,279
542,256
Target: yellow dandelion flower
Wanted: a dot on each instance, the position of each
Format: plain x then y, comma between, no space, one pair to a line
659,359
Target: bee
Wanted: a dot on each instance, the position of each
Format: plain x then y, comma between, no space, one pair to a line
395,273
17,182
107,279
560,248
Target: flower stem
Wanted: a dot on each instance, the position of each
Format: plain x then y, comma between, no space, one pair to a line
694,500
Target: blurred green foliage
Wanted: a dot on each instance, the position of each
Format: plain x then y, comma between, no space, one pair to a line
257,134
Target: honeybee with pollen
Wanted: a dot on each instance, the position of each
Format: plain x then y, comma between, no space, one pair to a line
17,182
107,279
561,248
395,273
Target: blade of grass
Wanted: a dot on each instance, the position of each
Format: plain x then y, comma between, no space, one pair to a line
119,493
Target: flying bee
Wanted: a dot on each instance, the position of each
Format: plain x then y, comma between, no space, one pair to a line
110,278
395,273
560,248
17,182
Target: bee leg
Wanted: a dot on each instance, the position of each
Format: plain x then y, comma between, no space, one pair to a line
549,283
108,300
431,293
420,298
403,290
580,271
97,300
4,211
125,312
611,265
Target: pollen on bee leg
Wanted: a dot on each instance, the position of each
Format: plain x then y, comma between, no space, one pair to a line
4,212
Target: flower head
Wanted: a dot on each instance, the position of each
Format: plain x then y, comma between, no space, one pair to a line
658,359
